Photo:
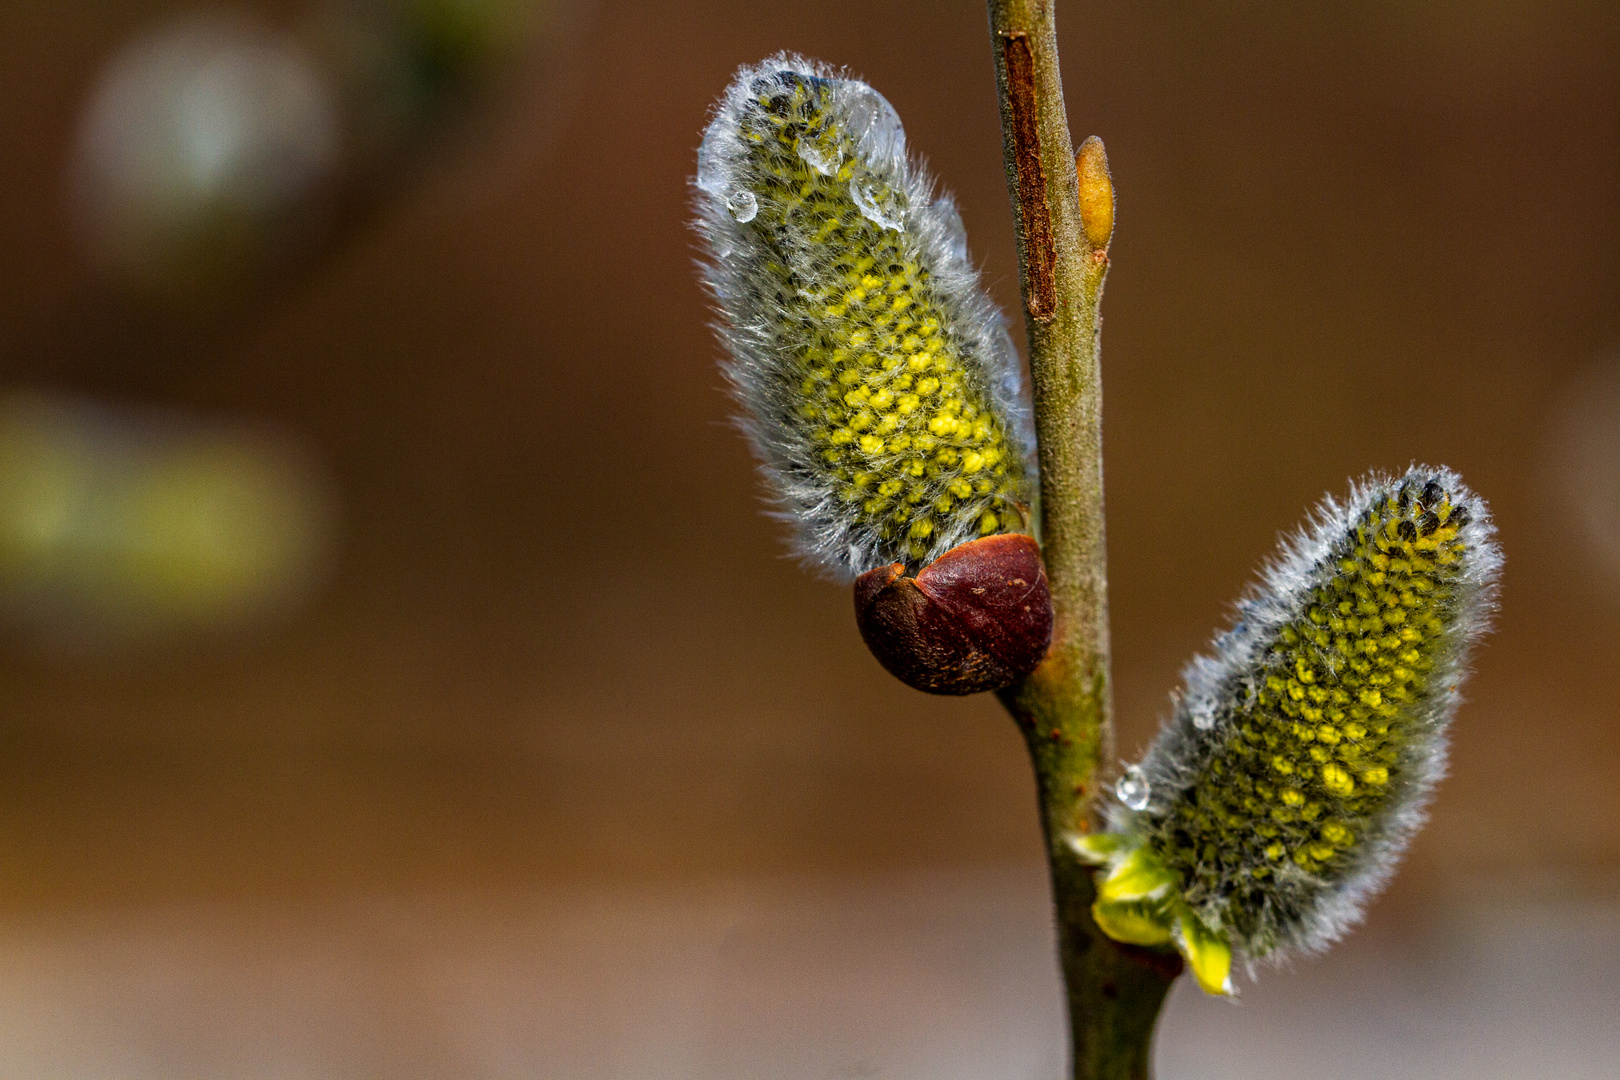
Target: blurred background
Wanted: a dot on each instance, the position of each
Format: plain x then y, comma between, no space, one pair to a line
399,678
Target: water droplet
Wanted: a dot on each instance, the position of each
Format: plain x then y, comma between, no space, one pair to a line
878,204
1203,715
711,169
1133,789
880,140
955,231
823,161
743,205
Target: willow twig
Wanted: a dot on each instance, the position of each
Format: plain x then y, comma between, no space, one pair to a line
1064,217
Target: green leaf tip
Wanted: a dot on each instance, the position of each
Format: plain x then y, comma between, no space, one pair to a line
1097,849
1207,952
1134,922
1139,902
1137,875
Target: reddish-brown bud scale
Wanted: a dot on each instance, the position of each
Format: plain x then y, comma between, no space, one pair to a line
976,618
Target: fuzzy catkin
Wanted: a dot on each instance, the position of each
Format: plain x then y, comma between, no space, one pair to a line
879,386
1304,748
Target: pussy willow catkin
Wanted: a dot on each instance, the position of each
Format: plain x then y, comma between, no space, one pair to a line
1303,749
879,385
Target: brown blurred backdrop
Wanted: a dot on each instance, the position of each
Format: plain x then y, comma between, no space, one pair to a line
559,647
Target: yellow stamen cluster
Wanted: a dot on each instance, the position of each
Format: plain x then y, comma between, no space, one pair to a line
1309,760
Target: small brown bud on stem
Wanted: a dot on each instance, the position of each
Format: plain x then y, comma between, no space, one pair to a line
1096,193
976,618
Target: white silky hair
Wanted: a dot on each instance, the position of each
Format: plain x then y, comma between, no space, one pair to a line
829,534
1215,686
